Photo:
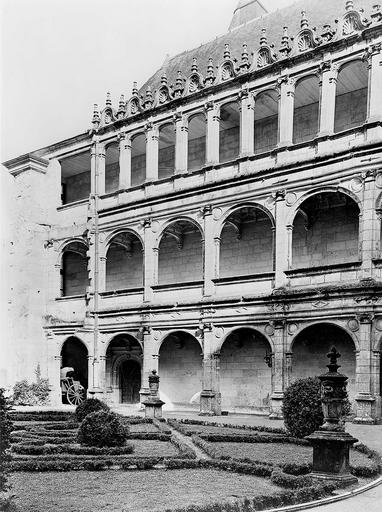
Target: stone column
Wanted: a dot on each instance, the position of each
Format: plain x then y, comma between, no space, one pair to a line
92,376
58,279
124,161
55,382
365,402
181,144
368,225
282,242
247,123
288,368
152,148
376,382
210,397
327,98
150,360
212,140
98,168
150,260
375,83
277,370
102,274
209,252
286,105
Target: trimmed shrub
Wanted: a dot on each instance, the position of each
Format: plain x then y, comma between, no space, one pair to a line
5,433
36,393
301,408
282,479
183,448
102,428
88,406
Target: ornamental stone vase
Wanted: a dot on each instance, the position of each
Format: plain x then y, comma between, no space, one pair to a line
153,404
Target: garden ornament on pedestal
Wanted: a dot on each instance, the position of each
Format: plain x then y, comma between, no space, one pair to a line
331,444
153,404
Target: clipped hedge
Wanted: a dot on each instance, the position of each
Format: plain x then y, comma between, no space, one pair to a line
257,438
178,425
102,428
42,416
73,449
278,477
88,406
183,448
155,436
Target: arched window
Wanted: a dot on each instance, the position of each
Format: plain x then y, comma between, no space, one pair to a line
138,159
325,231
306,109
351,96
112,167
266,121
74,363
74,269
229,132
166,156
124,262
196,142
246,243
180,254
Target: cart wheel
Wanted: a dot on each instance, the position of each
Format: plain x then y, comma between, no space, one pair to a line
75,395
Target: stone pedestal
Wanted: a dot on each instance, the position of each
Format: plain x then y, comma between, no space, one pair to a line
365,409
210,403
331,456
153,404
276,405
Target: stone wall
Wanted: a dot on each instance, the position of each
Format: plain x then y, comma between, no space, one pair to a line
111,177
266,134
196,153
76,187
251,254
351,110
305,122
229,144
124,270
166,162
74,274
138,170
245,378
180,265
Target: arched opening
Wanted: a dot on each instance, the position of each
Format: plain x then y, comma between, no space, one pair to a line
351,96
166,154
74,355
306,109
112,167
180,254
74,269
325,231
229,132
246,243
180,369
123,369
245,377
311,346
138,160
266,121
196,155
124,262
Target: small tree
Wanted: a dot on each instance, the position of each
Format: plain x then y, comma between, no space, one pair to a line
5,431
88,406
102,428
36,393
301,408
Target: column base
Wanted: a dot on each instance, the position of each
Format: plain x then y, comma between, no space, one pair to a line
153,408
365,409
210,403
276,406
341,480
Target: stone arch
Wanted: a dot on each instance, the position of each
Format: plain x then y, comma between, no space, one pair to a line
174,331
266,114
306,108
166,150
180,369
311,344
196,140
111,166
180,252
229,131
74,354
74,268
124,261
326,230
138,158
351,95
170,222
246,242
379,219
245,376
120,384
236,207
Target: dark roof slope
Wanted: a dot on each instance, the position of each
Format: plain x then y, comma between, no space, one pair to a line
318,13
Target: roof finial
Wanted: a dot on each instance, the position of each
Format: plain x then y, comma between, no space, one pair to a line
227,53
149,98
244,64
135,89
178,89
194,67
96,117
263,37
121,107
285,46
349,6
304,20
376,15
210,77
163,79
108,99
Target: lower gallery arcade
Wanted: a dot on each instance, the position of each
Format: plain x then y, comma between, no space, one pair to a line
244,368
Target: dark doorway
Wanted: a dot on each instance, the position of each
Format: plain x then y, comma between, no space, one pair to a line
130,381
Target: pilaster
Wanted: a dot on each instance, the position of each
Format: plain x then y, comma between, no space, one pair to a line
328,87
277,370
150,258
368,225
150,360
212,142
181,144
247,122
55,382
365,402
152,147
210,397
124,161
282,240
209,252
286,106
375,83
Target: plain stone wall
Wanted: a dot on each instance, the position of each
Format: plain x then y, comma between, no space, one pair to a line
229,144
124,270
245,378
266,134
305,122
180,370
333,238
138,170
74,274
111,177
351,109
196,153
180,265
251,254
166,162
77,187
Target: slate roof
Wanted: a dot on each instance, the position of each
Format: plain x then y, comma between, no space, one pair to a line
318,13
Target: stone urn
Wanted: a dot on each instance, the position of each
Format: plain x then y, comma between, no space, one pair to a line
153,404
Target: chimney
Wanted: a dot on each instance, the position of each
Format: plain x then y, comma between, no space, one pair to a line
246,10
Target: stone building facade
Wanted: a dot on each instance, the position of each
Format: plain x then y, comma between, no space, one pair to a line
221,226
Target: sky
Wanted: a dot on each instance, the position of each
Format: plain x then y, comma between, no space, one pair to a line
59,57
